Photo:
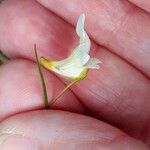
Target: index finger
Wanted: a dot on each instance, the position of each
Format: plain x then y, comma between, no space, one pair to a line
117,25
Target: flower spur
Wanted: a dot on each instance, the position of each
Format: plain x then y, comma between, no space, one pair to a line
76,66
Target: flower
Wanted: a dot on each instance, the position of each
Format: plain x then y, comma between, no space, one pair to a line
76,66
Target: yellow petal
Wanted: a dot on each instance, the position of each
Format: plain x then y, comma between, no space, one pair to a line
48,64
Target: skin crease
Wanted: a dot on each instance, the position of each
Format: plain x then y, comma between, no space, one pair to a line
119,97
145,5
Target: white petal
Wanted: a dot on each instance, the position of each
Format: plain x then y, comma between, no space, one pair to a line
79,56
71,72
80,26
93,63
84,39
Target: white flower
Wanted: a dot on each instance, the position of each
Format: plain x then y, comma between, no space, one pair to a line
76,66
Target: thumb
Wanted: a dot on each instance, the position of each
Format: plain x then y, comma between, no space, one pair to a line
61,130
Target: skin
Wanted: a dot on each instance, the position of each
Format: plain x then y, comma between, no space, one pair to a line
109,109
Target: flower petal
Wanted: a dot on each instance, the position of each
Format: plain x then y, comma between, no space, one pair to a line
77,64
79,56
93,63
80,26
71,72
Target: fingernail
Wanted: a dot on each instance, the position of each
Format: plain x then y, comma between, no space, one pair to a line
16,142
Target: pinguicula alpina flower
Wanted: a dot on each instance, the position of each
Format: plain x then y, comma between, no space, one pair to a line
76,66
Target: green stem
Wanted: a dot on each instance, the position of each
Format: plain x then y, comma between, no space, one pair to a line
42,79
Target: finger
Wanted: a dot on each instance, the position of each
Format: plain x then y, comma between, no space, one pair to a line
22,28
21,91
126,33
144,4
62,130
118,93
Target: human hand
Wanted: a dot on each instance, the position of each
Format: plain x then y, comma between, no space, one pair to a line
117,94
